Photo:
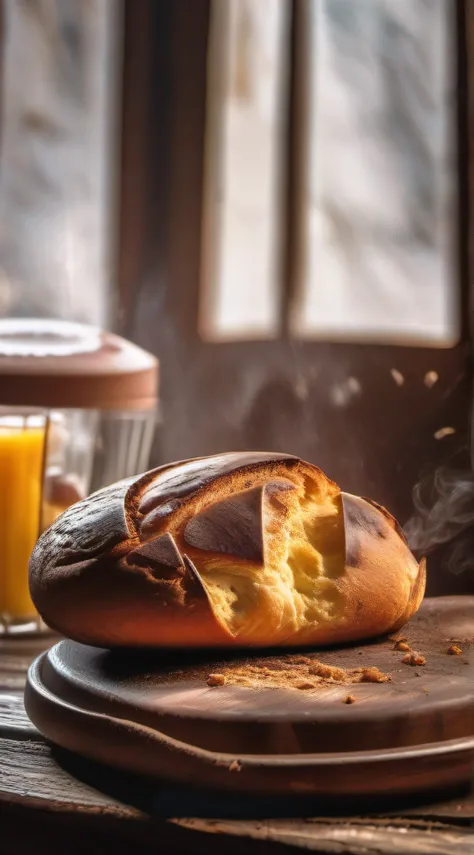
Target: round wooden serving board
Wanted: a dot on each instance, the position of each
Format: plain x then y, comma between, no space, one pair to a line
153,713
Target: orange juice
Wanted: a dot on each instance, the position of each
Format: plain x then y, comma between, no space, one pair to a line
21,469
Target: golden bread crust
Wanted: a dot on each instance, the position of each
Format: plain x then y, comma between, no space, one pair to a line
245,548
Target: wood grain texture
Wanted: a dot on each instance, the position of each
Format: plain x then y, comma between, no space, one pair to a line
154,714
169,691
35,775
95,835
41,801
364,839
46,795
16,655
14,722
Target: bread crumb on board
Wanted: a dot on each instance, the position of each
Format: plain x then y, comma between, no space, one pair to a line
216,680
304,684
414,658
373,675
295,672
350,699
454,650
402,645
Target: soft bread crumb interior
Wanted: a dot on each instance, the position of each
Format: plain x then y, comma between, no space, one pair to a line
295,589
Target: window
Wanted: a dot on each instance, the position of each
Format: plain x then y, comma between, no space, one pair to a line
364,141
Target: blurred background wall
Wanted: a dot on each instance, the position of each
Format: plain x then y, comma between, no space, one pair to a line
272,197
59,143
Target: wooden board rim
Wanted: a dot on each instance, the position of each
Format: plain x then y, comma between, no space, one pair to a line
136,748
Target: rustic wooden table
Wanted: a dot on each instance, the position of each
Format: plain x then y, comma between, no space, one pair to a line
52,802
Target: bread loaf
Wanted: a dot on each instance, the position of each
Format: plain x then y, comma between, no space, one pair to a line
237,549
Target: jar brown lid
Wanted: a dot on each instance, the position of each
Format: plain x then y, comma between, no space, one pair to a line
56,364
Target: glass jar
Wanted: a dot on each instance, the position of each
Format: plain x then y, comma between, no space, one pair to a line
78,411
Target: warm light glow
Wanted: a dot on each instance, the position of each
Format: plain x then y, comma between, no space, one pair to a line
21,465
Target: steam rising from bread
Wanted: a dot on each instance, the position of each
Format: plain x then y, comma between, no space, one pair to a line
444,512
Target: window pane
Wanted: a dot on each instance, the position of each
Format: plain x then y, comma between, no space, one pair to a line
378,200
243,212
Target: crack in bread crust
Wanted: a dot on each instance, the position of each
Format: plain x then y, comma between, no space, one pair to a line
280,521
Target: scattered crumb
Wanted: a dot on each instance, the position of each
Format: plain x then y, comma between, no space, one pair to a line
294,672
431,377
328,671
299,659
216,680
235,766
444,431
304,684
402,645
373,675
396,638
350,699
414,658
397,376
454,650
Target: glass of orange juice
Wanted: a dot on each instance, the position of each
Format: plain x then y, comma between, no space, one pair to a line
23,435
